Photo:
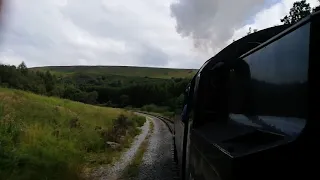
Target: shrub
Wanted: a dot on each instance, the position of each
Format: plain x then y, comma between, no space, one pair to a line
154,108
168,114
139,120
123,122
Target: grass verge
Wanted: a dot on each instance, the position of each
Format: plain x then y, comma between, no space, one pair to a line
51,138
132,170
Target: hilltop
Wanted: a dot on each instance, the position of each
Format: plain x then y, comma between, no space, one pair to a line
151,72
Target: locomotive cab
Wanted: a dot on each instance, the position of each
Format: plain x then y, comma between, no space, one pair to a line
247,113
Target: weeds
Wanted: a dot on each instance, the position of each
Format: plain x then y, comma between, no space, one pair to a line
50,138
132,170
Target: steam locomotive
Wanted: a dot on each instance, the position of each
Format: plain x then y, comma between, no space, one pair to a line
248,111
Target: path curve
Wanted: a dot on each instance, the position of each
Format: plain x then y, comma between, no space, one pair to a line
114,171
157,160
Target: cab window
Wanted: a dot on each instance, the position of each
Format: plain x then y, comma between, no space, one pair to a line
273,90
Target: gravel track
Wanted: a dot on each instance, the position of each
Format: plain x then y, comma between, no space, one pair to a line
157,160
114,171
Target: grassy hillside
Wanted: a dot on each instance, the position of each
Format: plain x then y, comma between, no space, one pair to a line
163,73
50,138
87,87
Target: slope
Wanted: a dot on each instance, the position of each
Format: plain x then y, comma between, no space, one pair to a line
50,138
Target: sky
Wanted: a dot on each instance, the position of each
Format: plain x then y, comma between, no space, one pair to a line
154,33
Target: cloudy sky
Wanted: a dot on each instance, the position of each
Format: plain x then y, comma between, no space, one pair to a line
160,33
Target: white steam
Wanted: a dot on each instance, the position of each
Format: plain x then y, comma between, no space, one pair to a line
211,23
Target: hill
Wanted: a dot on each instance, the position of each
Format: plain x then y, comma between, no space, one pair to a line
91,88
163,73
51,138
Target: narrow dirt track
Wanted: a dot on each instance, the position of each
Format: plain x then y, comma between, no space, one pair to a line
114,171
157,160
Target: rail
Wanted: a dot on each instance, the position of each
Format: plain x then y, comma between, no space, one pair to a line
170,125
167,121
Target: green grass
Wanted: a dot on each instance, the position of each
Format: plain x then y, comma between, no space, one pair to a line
50,138
132,170
163,73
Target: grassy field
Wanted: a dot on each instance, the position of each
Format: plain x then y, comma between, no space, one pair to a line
50,138
164,73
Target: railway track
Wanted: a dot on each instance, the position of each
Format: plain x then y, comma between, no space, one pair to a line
167,121
170,125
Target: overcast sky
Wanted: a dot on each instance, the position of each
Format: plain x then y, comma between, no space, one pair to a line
161,33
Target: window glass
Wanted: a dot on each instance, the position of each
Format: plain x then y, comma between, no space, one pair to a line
269,86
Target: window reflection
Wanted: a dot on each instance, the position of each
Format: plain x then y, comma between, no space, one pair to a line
283,61
272,91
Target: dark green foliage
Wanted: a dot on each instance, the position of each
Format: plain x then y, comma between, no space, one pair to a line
139,120
122,91
162,110
93,88
23,68
127,71
43,83
316,8
300,10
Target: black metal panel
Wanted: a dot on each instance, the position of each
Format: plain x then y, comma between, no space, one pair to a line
233,154
243,45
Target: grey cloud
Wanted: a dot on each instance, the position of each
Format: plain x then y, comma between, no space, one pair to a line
153,57
121,32
212,22
15,36
90,32
97,20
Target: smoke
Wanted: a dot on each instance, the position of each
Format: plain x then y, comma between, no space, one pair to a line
211,23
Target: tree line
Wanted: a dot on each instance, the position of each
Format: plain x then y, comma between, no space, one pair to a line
298,11
106,90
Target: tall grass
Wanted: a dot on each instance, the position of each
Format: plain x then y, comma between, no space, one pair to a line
51,138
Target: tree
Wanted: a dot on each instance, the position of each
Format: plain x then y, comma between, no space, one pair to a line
250,31
49,81
23,68
300,10
124,100
91,97
316,8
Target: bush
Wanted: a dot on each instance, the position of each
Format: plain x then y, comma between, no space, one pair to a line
123,122
91,141
124,126
162,110
139,120
168,114
155,108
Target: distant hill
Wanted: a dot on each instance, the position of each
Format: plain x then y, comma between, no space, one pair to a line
163,73
95,86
